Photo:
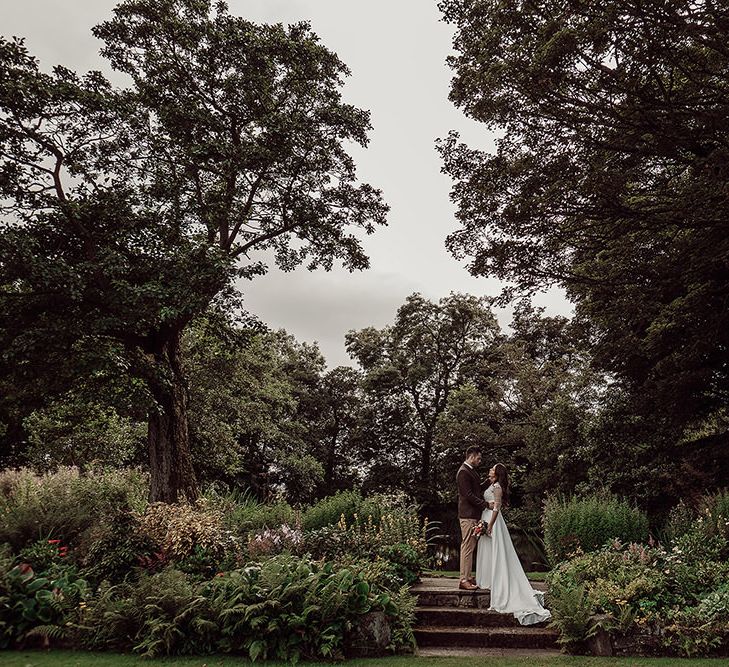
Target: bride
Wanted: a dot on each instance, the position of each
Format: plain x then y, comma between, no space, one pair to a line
497,566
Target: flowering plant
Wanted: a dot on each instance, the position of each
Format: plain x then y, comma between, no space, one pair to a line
480,528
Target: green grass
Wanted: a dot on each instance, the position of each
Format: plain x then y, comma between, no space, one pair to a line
80,659
453,574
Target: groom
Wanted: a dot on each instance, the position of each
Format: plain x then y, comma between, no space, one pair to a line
470,505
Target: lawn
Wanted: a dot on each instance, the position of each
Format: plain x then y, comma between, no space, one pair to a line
80,659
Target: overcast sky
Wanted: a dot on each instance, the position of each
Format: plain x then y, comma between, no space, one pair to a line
396,51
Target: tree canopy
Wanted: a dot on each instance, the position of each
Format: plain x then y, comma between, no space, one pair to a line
609,179
128,211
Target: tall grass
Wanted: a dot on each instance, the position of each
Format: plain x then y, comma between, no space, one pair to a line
577,525
63,504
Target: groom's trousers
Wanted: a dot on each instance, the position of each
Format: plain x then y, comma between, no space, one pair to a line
468,544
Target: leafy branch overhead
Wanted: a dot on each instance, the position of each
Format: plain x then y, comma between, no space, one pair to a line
127,211
609,178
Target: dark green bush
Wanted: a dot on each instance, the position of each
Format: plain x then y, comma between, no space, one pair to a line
63,504
159,614
286,608
407,562
37,603
42,554
329,511
577,525
114,548
678,591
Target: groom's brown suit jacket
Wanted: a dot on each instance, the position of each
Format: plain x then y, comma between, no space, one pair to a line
470,499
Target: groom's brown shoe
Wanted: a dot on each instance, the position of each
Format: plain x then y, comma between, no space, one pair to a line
466,585
472,580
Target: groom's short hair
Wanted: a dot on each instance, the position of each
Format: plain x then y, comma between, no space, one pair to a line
473,449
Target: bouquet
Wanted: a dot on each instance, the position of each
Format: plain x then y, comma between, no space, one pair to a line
480,528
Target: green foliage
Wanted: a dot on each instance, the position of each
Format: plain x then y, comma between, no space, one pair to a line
41,555
294,608
399,541
115,546
406,561
572,615
402,620
285,607
677,592
34,603
243,513
329,511
170,582
576,525
160,614
603,182
63,504
76,430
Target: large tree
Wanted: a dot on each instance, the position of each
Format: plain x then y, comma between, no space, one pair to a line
533,414
127,211
609,178
410,370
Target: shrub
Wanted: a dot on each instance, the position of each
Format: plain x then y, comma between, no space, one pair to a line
271,542
181,529
159,614
399,539
113,548
289,608
243,514
576,525
328,511
677,590
286,608
328,543
572,615
63,504
41,555
407,562
40,604
700,629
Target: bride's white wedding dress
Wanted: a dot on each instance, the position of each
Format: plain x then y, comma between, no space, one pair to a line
499,569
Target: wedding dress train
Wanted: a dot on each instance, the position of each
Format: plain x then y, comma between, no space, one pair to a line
498,568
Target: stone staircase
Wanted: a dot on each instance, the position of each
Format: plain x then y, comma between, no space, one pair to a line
450,621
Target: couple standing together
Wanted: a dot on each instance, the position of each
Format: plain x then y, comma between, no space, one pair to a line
498,568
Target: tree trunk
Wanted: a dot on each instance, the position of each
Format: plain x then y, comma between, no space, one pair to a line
172,478
425,492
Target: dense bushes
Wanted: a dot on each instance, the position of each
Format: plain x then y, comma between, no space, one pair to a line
65,503
285,607
674,598
37,603
578,525
226,574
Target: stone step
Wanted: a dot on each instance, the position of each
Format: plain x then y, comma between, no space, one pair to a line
442,592
465,617
494,652
453,598
516,637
